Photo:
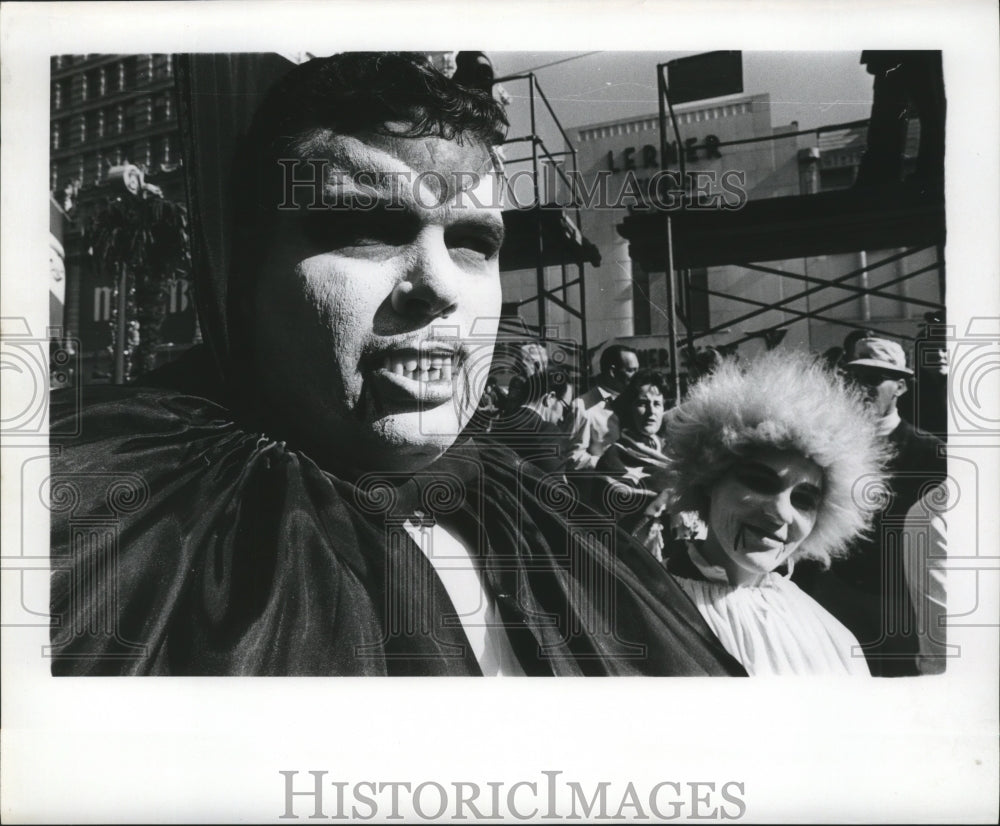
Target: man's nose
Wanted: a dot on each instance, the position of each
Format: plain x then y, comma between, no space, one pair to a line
429,288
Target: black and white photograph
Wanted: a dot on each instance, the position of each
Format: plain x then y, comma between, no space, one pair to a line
580,352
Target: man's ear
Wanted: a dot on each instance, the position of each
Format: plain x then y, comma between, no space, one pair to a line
900,387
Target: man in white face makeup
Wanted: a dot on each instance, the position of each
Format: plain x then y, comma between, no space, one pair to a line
378,371
310,504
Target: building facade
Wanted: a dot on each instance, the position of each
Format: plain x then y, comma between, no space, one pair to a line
735,154
106,112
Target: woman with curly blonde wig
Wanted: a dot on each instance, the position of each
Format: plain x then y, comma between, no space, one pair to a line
777,456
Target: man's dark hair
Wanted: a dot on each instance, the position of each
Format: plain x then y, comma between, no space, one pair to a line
361,91
474,70
612,356
347,94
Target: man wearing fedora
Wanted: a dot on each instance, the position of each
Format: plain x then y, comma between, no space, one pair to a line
867,590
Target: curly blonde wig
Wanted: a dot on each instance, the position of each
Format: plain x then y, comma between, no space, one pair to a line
790,401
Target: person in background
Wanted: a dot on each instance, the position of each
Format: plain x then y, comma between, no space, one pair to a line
769,456
633,467
538,407
928,410
865,590
701,362
833,357
905,83
850,341
593,429
489,407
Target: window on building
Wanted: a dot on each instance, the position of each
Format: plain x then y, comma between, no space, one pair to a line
142,154
96,83
143,68
163,109
91,170
143,112
56,134
78,90
166,150
58,90
162,66
130,120
128,73
119,119
53,177
95,124
78,130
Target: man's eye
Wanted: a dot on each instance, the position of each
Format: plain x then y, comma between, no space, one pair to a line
481,244
336,229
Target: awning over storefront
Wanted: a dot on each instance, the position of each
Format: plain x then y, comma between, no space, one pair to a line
562,242
775,229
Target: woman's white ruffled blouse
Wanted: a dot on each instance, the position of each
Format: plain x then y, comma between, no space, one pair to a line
772,627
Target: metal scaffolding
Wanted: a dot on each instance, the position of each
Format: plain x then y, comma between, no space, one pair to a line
907,217
547,231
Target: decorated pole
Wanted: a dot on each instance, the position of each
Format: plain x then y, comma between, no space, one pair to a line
141,241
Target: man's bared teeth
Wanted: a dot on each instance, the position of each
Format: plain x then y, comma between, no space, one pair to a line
420,368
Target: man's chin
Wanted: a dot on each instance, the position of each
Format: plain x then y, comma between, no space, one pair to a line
410,441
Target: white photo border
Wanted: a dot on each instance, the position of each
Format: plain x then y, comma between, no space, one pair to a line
210,750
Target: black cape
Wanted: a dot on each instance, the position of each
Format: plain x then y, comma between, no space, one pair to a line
185,543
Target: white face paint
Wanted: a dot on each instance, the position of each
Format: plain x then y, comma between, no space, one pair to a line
375,325
761,511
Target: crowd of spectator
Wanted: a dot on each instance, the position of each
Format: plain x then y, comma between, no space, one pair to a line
621,447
